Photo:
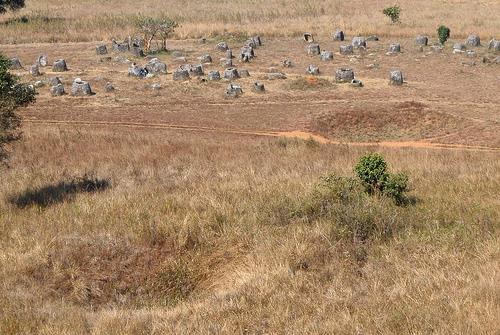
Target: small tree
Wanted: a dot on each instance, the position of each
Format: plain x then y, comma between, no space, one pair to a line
152,28
12,96
167,28
10,4
393,13
443,34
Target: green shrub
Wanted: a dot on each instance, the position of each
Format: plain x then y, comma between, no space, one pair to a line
372,170
393,13
395,185
443,34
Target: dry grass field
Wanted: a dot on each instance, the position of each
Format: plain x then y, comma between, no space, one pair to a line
91,20
183,211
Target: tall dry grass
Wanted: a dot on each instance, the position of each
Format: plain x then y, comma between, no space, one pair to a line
204,233
91,20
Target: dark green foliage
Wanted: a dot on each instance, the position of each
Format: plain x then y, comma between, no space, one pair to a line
12,96
393,13
10,4
395,185
443,34
372,171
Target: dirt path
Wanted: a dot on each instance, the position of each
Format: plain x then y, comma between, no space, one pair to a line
424,144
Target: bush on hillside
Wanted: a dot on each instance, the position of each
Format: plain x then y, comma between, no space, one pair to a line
371,169
393,13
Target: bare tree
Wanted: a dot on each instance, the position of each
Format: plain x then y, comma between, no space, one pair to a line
155,29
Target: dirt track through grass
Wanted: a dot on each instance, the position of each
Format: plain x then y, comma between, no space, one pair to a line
424,144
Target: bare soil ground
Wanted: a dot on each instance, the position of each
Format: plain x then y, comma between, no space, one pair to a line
445,99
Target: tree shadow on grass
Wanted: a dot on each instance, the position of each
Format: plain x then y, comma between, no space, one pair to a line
63,191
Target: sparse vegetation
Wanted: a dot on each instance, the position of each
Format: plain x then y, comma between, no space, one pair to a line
443,34
393,13
155,28
60,192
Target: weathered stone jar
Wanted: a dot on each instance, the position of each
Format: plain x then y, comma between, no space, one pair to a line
344,75
313,49
338,35
59,66
101,49
80,88
421,40
57,90
396,78
181,74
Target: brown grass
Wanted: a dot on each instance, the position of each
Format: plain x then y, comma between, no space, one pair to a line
64,21
198,234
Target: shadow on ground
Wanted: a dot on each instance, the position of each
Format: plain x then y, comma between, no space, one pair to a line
31,19
63,191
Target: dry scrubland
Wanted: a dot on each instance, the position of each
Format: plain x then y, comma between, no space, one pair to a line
181,211
91,20
220,234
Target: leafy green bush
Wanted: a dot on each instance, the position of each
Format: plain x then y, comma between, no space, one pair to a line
372,171
393,13
12,96
395,185
443,34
